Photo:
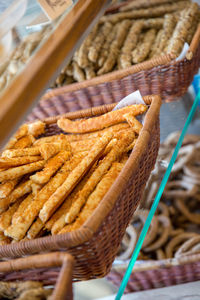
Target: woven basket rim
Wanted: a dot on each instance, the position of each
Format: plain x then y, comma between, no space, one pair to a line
148,265
88,229
165,60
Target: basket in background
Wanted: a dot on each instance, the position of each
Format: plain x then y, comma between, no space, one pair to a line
51,269
96,243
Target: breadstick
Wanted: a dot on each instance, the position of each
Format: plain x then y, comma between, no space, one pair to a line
17,161
6,217
57,221
24,222
145,13
100,122
112,156
82,57
95,198
51,139
92,135
90,72
35,188
11,290
96,46
154,48
76,175
181,30
156,23
50,168
21,152
22,189
22,170
4,240
37,128
21,208
10,143
35,229
133,122
7,187
115,47
50,149
142,51
24,142
144,4
125,58
78,73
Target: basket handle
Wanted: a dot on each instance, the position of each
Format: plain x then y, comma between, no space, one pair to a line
63,288
194,44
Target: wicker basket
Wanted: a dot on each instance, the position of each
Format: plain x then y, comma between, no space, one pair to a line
96,243
162,76
50,269
156,274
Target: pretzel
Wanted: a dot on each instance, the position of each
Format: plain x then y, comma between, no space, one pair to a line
188,245
193,217
164,236
50,168
7,187
112,156
144,4
170,190
160,254
100,122
31,212
21,190
76,175
17,161
133,122
95,198
21,170
131,245
169,249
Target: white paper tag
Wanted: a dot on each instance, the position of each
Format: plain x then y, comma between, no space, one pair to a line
133,98
183,52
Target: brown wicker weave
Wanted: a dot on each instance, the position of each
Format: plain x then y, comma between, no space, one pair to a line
96,243
156,274
37,268
161,76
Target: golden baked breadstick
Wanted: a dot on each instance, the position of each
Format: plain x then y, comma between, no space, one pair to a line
24,142
82,56
50,168
35,229
96,45
100,122
181,30
10,143
7,187
133,122
22,170
51,139
76,175
101,169
4,240
115,47
142,51
6,162
22,189
21,208
21,152
24,222
6,217
156,23
36,188
50,149
92,135
35,129
90,72
156,43
95,198
125,58
145,13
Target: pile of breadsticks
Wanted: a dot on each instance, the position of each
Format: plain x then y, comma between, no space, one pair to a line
141,30
52,184
175,229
